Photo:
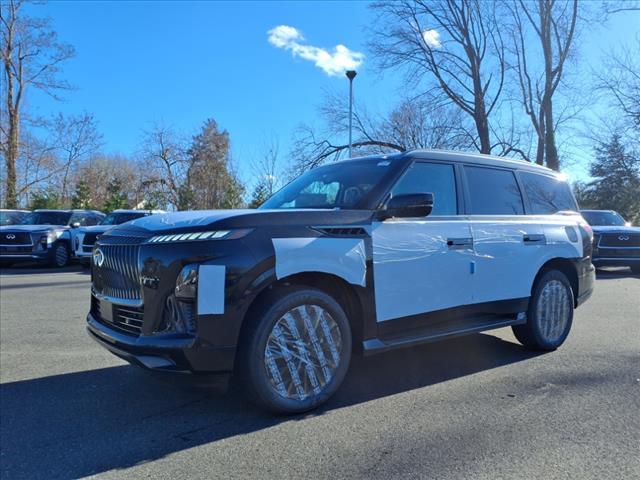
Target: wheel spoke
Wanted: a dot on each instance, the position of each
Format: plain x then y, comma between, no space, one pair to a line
553,310
302,352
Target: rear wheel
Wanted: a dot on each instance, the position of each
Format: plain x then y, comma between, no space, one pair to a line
550,313
296,354
60,256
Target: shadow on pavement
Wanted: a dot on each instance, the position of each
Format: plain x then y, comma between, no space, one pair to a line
32,268
77,424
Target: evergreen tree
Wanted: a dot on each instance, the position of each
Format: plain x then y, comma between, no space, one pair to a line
115,197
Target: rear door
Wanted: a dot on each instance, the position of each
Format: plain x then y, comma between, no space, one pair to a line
423,264
507,246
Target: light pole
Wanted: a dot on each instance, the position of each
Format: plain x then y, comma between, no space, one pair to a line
351,74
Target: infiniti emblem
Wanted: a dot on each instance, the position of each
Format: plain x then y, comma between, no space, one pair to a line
623,238
10,236
98,257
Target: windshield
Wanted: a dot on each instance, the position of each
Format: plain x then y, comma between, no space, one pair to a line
603,219
340,185
11,218
47,218
121,217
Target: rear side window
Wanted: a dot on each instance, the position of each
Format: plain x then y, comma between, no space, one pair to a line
546,194
493,192
436,178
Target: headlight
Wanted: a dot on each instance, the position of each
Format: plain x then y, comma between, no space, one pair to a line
53,235
187,283
191,236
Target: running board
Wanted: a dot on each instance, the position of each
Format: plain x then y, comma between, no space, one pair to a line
435,333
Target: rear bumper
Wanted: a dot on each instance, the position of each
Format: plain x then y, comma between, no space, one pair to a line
163,353
586,282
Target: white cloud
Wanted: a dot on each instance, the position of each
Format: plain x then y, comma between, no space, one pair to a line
332,63
432,38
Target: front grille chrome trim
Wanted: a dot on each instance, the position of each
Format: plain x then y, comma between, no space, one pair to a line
137,303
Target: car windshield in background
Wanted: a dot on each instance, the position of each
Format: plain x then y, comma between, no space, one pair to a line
11,218
118,218
340,185
47,218
603,219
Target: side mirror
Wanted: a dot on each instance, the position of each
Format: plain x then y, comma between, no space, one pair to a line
75,224
408,206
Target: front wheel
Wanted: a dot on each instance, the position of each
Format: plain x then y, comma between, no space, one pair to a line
550,313
296,354
60,255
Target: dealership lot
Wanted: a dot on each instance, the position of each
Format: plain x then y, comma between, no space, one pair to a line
480,406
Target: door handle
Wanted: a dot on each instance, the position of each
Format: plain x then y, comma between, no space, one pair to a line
459,243
534,238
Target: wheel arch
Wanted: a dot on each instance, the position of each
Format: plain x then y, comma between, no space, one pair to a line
567,267
336,287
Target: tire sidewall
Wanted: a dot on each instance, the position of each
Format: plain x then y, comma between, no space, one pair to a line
257,372
535,327
54,259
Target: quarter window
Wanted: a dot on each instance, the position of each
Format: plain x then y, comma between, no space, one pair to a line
493,192
546,194
436,178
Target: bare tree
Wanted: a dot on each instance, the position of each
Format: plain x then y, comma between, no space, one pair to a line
31,57
553,24
76,138
165,162
454,44
266,166
621,82
415,123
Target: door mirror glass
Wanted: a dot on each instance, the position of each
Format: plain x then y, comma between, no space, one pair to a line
409,205
75,224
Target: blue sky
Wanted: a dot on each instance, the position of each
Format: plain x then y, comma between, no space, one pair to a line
181,62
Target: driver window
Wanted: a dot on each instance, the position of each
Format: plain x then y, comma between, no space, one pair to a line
436,178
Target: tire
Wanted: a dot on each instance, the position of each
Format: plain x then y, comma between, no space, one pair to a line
550,313
273,378
60,256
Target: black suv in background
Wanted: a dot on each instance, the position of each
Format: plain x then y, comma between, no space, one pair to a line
44,235
615,242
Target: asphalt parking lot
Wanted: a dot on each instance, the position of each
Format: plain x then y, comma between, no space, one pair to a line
475,407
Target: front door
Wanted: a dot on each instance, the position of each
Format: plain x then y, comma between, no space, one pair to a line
421,265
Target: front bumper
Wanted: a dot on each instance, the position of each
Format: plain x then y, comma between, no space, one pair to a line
32,256
616,261
171,353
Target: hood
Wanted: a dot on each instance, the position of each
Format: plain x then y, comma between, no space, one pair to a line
31,228
96,228
247,218
615,229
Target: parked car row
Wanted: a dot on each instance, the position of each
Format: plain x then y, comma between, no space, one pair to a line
55,236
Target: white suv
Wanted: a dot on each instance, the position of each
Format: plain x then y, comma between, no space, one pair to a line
364,255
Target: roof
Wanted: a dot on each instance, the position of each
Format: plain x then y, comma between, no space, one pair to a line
62,210
480,159
137,210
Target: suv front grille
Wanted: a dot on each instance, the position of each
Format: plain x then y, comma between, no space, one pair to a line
18,239
617,240
119,275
